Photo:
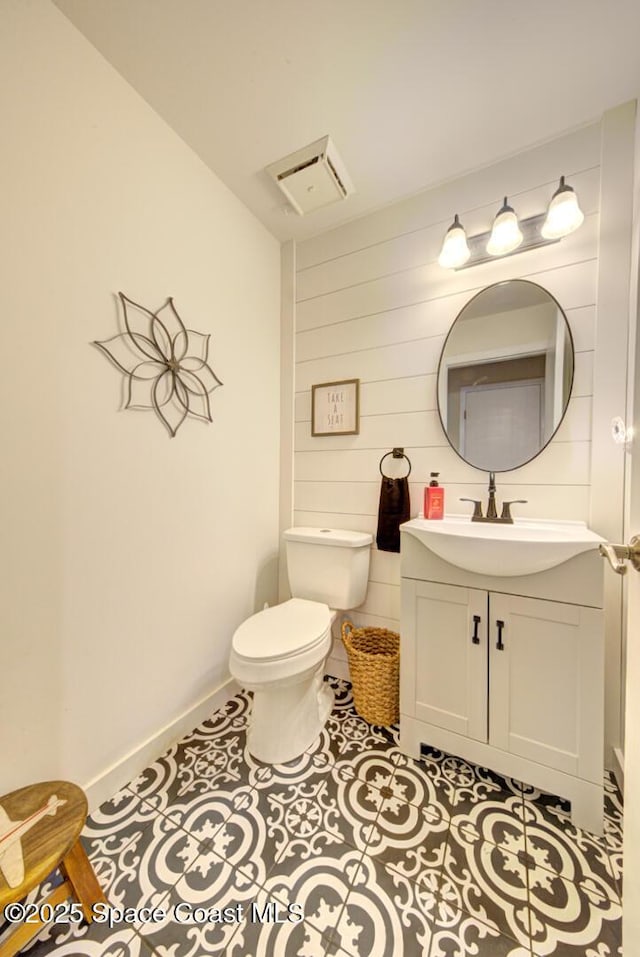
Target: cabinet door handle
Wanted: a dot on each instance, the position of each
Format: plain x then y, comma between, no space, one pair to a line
476,621
499,643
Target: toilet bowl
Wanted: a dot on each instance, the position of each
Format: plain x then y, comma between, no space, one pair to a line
279,654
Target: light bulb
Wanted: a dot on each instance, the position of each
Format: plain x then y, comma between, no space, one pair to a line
455,251
564,214
505,233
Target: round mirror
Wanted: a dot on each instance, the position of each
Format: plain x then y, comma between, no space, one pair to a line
505,375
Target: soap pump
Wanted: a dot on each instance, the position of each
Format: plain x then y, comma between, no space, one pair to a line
434,498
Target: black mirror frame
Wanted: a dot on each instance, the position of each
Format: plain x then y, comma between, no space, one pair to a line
570,391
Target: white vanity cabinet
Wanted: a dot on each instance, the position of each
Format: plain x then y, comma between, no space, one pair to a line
507,672
443,658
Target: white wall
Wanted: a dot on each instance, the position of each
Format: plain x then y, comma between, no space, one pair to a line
610,372
526,328
631,912
373,303
128,557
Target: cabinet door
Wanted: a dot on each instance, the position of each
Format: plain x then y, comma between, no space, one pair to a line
546,683
443,657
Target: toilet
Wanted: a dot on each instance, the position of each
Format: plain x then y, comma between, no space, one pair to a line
279,653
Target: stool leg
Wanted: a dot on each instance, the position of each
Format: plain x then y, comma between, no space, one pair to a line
80,874
24,933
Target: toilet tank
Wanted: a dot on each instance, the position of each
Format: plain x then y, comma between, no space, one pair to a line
329,565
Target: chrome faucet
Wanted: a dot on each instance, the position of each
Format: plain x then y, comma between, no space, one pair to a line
492,512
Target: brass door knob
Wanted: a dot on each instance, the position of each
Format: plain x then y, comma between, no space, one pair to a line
617,555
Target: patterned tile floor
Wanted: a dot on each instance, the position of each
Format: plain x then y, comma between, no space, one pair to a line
380,854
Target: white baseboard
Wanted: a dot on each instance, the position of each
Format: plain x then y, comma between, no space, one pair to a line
618,768
337,668
109,782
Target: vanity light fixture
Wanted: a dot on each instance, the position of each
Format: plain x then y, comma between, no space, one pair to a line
505,233
508,235
455,252
564,214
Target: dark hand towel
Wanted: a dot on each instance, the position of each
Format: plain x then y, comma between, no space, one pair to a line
393,510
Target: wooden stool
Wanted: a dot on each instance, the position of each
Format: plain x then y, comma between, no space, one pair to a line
40,830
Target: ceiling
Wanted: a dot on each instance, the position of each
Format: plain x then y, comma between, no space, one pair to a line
412,92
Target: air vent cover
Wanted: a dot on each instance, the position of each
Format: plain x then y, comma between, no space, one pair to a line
312,177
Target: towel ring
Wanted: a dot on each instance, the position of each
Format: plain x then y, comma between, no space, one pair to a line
397,454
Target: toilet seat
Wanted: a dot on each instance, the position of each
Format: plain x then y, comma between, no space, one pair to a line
283,631
282,643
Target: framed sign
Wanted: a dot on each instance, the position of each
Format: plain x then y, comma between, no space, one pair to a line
335,408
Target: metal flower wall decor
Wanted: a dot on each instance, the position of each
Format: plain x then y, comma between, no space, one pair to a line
165,363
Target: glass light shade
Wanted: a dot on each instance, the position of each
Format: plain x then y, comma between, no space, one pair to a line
564,214
505,233
455,251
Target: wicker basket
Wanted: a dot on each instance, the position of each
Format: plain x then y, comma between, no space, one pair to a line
374,664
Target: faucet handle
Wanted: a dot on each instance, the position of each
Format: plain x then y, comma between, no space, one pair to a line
506,508
477,507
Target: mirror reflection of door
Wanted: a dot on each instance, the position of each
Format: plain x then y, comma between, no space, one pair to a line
501,423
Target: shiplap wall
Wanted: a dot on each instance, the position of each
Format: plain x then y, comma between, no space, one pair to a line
372,303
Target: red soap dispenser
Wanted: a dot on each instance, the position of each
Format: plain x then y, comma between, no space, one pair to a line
434,498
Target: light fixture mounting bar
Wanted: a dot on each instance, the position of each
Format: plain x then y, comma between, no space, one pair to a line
531,239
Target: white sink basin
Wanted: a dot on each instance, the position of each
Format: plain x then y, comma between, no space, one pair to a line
523,548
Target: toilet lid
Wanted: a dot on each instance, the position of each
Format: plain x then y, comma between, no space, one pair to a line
283,630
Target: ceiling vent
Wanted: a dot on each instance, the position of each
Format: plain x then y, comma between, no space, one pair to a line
312,177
